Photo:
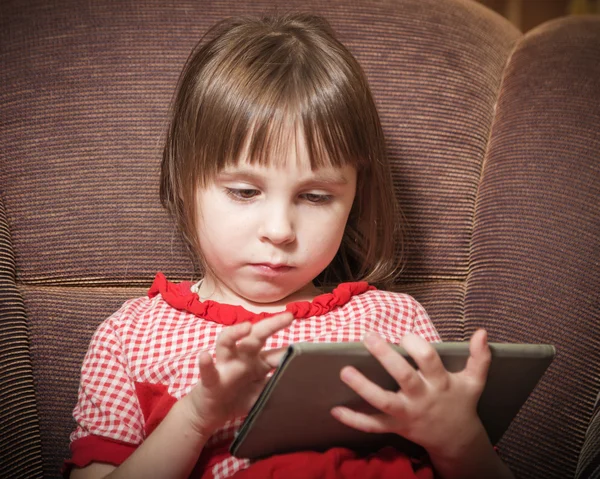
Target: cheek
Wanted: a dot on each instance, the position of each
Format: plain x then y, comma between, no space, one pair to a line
223,231
326,235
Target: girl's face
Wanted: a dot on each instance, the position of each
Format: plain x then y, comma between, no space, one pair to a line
267,231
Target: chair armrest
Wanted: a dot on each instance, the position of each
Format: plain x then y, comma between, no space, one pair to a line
588,466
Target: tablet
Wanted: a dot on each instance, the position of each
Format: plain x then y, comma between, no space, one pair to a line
292,413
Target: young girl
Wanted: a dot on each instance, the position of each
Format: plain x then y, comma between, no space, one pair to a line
275,171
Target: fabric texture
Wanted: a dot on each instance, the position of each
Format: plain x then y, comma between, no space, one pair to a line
338,463
83,108
19,421
532,279
493,138
588,465
182,297
144,357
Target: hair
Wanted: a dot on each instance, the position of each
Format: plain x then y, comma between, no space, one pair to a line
245,83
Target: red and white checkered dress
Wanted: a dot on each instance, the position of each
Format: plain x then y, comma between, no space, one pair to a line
144,357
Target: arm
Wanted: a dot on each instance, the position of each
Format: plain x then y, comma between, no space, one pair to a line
170,451
227,388
433,408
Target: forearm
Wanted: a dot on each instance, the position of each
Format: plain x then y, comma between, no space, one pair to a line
471,460
171,451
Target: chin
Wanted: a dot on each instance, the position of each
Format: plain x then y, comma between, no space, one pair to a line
265,298
268,294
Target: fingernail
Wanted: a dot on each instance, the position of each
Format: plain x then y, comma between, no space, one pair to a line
337,412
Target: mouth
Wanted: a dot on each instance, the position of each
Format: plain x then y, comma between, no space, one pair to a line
271,268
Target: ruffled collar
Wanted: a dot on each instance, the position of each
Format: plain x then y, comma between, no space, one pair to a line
181,297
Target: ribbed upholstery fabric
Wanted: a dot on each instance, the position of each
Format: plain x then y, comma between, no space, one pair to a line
102,160
588,465
481,165
67,318
84,102
20,443
536,243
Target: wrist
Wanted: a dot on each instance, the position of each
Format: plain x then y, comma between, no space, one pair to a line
470,456
471,438
198,425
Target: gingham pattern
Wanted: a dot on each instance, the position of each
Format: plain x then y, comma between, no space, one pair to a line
148,340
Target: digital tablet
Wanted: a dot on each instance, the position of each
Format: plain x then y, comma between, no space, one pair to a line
293,411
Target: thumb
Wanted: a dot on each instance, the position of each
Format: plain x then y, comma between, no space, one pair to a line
209,376
273,356
480,356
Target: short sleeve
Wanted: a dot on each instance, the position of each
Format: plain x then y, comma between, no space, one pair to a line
422,324
107,409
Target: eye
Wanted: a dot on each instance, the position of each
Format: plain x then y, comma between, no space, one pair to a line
242,193
316,198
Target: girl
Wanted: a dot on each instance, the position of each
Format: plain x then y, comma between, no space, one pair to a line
275,171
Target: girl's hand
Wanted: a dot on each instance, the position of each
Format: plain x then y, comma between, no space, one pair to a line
433,408
230,384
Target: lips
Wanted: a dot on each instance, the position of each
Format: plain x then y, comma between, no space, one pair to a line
271,269
273,266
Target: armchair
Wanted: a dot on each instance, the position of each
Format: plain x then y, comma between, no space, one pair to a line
494,137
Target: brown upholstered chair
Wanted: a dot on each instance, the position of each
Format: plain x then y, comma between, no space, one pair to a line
495,141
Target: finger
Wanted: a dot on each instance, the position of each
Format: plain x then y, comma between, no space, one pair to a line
262,330
399,368
273,356
426,358
387,402
480,357
376,423
225,347
209,376
269,326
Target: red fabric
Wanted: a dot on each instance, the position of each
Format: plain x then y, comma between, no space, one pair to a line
145,356
338,463
208,459
90,449
181,297
155,402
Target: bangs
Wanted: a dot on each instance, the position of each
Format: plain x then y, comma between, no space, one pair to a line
263,133
268,140
263,98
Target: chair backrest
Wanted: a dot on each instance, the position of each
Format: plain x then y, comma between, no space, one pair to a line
493,142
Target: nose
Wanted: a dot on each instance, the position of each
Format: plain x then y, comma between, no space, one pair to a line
277,226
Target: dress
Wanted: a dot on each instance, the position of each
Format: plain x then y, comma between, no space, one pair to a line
144,358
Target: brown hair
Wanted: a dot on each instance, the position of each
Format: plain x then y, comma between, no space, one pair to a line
243,85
